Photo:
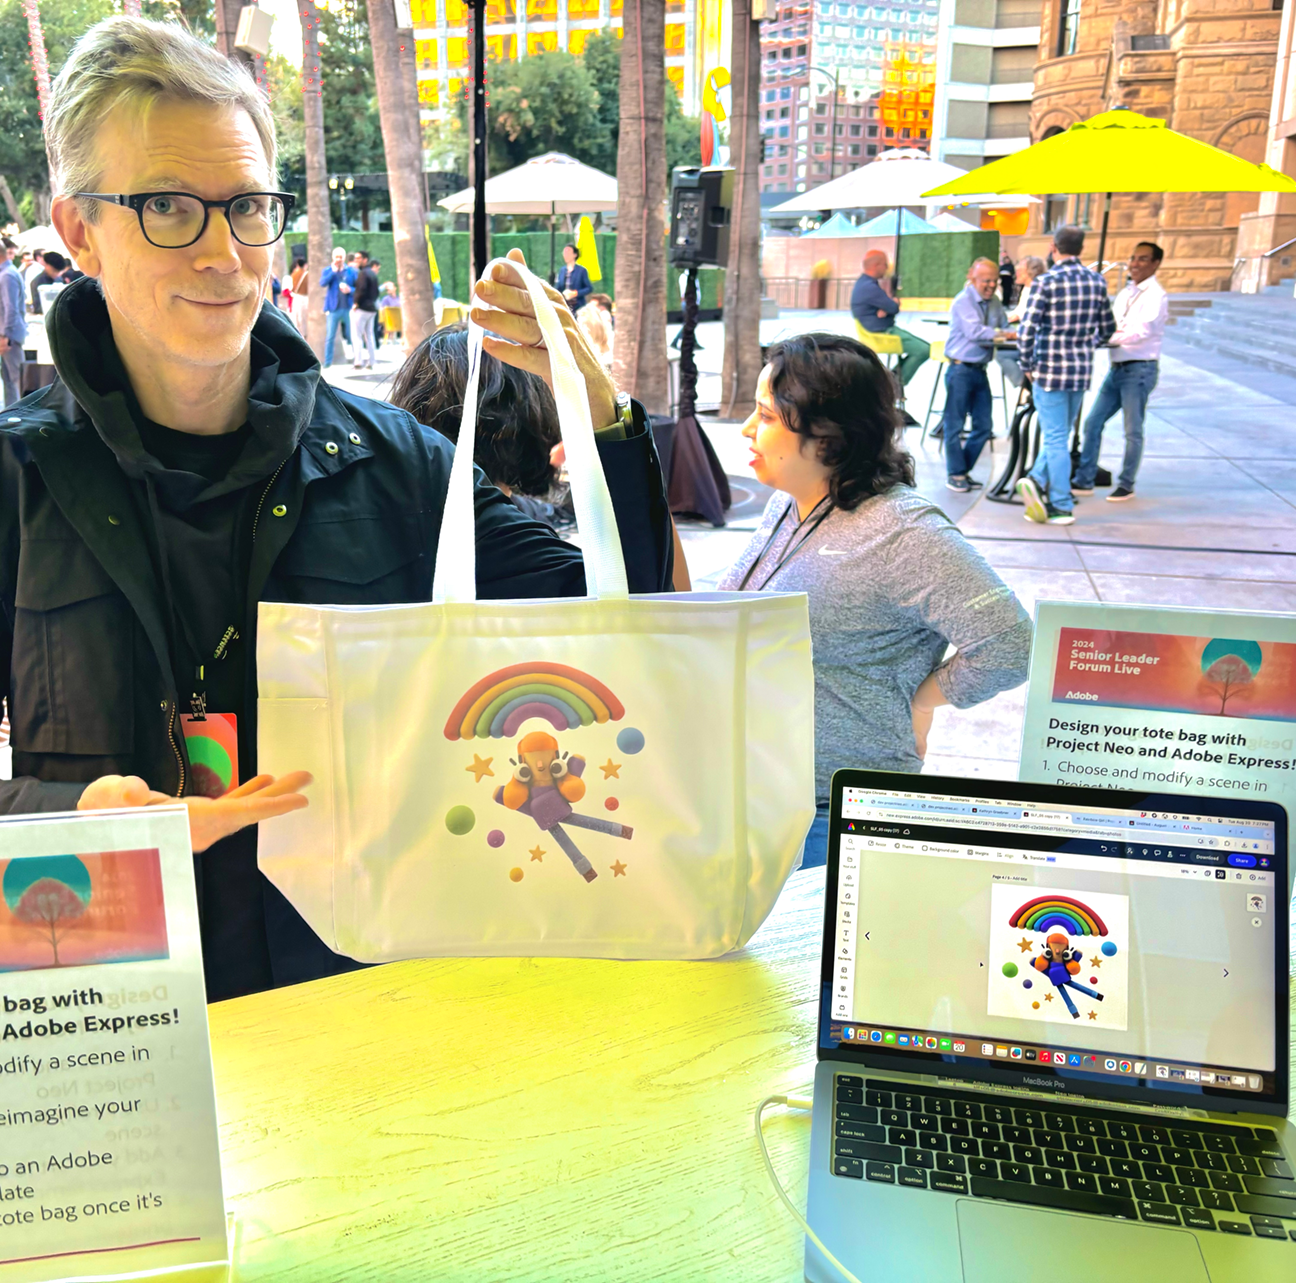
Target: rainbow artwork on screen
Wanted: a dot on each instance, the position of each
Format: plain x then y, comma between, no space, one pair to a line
544,711
81,910
1059,956
1163,672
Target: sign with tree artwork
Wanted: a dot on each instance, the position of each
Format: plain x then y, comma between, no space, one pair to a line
110,1165
80,910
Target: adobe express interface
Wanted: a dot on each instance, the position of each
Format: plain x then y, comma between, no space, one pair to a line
1112,942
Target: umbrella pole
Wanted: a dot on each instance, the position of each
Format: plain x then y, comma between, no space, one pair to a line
477,161
1102,237
895,277
553,266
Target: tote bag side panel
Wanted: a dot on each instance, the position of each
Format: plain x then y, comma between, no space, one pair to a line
294,732
779,749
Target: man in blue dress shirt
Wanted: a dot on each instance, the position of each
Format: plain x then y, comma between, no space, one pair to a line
573,280
976,319
876,310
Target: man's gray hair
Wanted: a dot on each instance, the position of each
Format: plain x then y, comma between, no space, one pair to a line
134,61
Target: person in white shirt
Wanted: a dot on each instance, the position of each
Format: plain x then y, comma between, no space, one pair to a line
1142,311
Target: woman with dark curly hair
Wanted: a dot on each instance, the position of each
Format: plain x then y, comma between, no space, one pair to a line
517,419
892,583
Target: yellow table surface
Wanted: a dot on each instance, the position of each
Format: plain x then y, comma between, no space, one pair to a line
524,1119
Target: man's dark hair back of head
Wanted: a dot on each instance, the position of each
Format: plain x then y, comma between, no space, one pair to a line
6,243
56,261
1069,239
1157,252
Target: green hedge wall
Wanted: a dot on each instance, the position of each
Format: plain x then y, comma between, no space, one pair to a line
936,265
453,255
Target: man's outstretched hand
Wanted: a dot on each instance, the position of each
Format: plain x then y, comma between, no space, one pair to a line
262,798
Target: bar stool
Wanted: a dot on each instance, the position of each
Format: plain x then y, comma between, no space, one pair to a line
884,344
937,355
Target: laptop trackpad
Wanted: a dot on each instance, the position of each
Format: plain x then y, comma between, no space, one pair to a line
1006,1244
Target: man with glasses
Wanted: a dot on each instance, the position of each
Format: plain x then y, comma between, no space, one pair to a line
189,461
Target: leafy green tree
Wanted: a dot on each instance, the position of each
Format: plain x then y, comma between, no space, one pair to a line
602,58
22,149
546,102
352,132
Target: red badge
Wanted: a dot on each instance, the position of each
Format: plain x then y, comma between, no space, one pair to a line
213,752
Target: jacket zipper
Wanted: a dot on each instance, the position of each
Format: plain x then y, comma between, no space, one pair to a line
175,748
265,494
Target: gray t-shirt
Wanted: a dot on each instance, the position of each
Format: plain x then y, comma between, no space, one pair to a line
892,585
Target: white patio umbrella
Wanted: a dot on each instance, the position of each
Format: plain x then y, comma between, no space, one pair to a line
895,179
41,237
551,184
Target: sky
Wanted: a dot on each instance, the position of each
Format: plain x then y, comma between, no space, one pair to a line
285,34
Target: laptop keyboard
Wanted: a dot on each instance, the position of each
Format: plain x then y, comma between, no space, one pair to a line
1202,1175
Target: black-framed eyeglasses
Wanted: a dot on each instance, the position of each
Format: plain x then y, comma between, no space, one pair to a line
175,220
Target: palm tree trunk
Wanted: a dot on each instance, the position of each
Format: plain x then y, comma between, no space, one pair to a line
639,365
318,235
398,113
742,287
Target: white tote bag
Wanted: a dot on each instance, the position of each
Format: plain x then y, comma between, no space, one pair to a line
609,776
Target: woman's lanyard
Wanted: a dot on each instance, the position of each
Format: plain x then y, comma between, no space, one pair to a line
794,545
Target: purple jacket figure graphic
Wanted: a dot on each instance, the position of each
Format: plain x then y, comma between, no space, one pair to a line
544,786
1058,962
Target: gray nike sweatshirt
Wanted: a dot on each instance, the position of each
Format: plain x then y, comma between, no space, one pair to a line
892,586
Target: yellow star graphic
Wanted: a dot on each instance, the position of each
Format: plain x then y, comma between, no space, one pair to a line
1093,1015
1095,961
1024,945
611,769
480,767
537,853
1048,997
618,870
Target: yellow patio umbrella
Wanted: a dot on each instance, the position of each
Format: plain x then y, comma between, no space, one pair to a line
588,248
1117,151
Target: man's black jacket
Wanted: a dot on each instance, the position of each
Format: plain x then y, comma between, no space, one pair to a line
351,515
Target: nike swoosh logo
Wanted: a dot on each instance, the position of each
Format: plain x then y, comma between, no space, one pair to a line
833,552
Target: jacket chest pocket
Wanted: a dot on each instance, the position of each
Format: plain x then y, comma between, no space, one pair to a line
72,675
357,562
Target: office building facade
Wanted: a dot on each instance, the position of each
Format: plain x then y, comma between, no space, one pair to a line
516,28
840,83
986,51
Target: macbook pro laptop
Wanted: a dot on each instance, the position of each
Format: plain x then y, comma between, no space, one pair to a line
1053,1036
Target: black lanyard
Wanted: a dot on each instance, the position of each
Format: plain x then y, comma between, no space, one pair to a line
198,695
793,547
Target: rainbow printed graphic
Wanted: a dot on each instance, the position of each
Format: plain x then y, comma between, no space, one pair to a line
565,697
1047,912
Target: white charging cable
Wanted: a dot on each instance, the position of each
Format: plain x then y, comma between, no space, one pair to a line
795,1102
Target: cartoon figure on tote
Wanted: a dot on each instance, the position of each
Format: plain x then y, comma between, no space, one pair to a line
1061,964
544,785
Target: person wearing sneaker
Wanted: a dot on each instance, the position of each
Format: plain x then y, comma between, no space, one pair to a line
1142,312
976,320
1069,314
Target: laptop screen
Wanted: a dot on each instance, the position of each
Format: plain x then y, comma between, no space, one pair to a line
1124,942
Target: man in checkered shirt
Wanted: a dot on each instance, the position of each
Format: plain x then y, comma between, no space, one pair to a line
1068,315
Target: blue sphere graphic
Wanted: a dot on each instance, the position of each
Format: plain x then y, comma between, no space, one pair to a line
630,740
1108,948
1026,984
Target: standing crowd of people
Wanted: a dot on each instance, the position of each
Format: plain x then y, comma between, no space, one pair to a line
23,274
1041,323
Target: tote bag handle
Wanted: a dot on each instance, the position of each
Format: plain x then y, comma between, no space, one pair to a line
455,578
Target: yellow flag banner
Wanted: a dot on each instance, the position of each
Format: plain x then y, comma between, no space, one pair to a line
432,263
588,248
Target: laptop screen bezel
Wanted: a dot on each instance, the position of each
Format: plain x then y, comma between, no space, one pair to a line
1061,1078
